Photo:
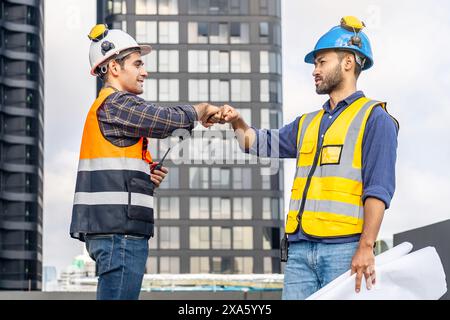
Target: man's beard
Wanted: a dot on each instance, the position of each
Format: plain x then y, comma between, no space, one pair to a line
330,82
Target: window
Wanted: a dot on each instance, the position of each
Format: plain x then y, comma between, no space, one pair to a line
199,237
243,265
242,208
153,243
168,7
242,178
169,265
239,33
275,91
219,61
169,237
264,32
151,266
150,90
218,7
264,91
168,90
221,237
223,265
117,7
271,209
220,178
198,60
240,90
264,62
171,180
198,6
242,238
199,208
239,7
168,32
279,64
150,63
240,61
198,32
199,264
146,32
198,178
220,90
246,114
221,208
169,208
265,118
218,33
271,238
198,90
164,144
146,6
270,91
265,178
277,34
268,265
168,61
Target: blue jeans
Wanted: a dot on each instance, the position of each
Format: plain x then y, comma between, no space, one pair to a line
120,264
312,265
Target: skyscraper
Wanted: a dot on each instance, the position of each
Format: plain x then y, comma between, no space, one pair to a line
212,218
21,143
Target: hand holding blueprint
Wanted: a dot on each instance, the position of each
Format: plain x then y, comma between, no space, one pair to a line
400,275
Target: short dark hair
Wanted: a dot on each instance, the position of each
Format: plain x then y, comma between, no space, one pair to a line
341,55
120,59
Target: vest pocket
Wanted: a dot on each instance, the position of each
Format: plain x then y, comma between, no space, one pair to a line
140,200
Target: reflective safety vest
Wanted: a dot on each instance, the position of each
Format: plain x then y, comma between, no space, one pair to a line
326,198
113,193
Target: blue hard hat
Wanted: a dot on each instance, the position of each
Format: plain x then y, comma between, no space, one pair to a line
344,37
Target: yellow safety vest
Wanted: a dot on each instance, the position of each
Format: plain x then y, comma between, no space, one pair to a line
326,198
113,193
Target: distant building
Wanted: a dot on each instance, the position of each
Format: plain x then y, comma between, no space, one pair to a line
71,279
49,278
436,235
21,143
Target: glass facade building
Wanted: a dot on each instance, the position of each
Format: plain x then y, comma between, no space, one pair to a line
212,217
21,143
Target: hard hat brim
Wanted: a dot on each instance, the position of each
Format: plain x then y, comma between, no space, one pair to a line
310,57
145,49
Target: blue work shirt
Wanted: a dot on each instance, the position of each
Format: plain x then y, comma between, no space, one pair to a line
379,148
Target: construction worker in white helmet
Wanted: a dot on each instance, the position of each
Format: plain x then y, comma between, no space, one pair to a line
345,177
113,203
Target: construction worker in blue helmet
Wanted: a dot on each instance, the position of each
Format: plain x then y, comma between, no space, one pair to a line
345,175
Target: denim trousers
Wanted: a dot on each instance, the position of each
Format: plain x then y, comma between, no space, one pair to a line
120,264
312,265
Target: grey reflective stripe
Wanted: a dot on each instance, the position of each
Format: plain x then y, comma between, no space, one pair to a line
111,198
335,207
114,164
294,205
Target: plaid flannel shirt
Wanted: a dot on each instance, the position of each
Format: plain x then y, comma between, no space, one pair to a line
125,117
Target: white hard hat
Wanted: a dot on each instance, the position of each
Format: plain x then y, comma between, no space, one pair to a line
108,43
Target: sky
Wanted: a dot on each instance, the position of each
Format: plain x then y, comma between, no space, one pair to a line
411,72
